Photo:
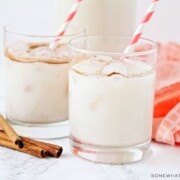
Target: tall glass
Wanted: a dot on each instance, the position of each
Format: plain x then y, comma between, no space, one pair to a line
111,97
37,78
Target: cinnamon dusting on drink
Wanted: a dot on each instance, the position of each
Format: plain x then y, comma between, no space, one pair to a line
107,67
33,52
114,73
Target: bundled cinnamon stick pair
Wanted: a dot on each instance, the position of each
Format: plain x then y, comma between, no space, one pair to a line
9,138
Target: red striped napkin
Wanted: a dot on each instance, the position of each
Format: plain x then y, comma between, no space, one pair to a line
166,126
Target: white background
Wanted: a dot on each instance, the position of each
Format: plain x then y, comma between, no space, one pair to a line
164,26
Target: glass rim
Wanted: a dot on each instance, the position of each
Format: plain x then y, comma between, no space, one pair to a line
7,30
84,51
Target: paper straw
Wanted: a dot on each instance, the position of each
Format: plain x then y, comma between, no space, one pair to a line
138,33
69,18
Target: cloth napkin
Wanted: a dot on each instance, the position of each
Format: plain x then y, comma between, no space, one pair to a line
166,124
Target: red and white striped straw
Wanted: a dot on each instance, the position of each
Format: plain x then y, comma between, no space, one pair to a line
68,20
138,33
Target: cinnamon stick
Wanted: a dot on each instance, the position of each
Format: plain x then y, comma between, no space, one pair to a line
53,150
11,133
28,148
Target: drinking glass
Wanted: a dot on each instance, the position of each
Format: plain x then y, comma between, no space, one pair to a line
36,78
111,96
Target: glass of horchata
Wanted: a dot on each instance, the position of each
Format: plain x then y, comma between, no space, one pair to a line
111,98
37,78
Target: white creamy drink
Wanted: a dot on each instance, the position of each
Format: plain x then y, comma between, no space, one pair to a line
111,102
36,83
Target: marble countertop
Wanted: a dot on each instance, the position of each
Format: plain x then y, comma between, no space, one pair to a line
19,166
164,160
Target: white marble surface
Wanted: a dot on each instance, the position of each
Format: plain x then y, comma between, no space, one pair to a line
18,166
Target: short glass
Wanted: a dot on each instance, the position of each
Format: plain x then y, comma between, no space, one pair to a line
36,78
111,96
